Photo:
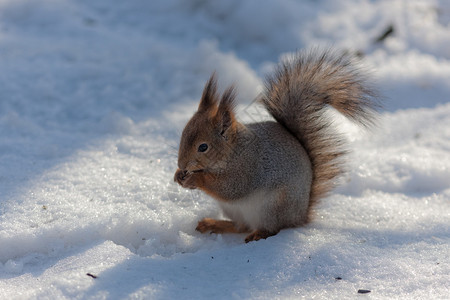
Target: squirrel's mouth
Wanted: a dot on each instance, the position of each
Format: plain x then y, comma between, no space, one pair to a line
196,171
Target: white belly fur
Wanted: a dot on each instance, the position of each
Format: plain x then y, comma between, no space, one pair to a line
250,210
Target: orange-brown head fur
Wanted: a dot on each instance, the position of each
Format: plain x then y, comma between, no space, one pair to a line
213,125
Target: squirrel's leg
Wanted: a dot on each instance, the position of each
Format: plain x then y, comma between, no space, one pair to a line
219,226
259,234
276,211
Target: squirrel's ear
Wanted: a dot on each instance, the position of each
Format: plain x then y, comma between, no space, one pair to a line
225,113
209,96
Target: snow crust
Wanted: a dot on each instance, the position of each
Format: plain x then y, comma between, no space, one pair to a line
93,98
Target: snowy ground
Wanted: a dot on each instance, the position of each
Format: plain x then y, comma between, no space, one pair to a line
94,94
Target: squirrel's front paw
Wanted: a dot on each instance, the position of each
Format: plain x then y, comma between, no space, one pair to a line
185,179
190,182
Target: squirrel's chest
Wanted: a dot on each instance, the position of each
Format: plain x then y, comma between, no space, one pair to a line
250,210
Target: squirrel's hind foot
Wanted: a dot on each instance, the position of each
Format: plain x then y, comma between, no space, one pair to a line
223,226
259,234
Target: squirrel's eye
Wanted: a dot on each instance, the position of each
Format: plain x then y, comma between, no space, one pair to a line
202,148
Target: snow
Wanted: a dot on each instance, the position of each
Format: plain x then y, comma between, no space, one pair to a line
94,95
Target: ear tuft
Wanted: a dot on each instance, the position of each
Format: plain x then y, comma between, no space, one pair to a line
209,96
225,112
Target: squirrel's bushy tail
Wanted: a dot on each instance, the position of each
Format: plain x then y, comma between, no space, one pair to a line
298,92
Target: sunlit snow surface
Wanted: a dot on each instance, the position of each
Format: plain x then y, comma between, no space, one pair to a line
93,98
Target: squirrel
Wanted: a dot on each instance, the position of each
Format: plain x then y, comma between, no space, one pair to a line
267,176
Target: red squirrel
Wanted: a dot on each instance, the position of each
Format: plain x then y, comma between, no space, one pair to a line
267,176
